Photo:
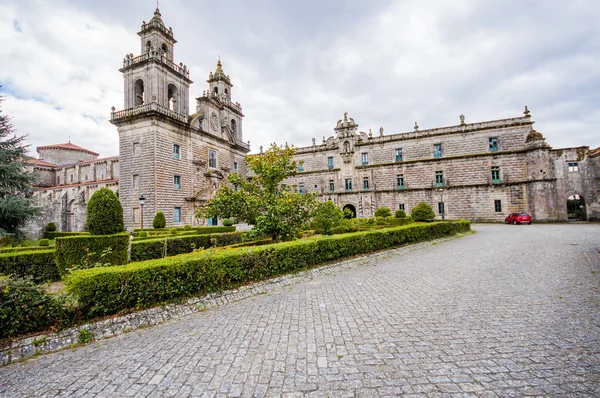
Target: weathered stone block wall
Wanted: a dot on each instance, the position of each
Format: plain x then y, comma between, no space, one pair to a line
62,156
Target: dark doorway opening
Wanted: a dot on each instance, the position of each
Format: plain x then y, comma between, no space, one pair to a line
351,209
576,208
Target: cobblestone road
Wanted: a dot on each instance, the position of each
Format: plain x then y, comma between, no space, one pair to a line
508,311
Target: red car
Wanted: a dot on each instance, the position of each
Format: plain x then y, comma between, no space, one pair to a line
518,218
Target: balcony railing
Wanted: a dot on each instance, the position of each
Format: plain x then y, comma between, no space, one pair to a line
159,57
152,107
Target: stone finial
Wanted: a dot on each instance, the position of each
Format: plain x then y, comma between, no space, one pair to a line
314,141
112,108
527,113
323,139
462,119
416,127
261,149
370,134
381,131
345,116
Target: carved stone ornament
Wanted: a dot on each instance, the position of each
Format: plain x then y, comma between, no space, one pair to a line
347,156
214,121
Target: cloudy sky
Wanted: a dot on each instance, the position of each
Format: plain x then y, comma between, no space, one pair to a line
297,66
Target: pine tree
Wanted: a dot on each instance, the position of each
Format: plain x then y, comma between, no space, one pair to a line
16,204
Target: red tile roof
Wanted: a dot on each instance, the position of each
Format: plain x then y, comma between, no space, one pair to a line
39,162
69,146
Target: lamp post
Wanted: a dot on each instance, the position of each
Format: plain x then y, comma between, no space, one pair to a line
441,191
142,201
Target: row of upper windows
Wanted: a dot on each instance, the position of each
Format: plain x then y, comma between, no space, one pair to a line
439,181
72,178
398,154
212,155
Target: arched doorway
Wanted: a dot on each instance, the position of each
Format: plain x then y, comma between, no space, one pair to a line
576,208
350,208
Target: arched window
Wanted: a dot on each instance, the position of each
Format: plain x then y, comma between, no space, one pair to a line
164,50
216,90
226,92
172,97
233,126
148,46
346,146
138,89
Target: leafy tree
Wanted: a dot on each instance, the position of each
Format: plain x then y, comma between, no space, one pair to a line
159,220
383,212
264,200
422,212
328,217
104,213
16,204
348,214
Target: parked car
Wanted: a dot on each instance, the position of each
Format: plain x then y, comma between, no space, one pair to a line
518,218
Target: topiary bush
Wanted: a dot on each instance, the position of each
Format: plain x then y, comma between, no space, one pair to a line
383,212
187,228
400,214
44,242
76,252
36,264
327,218
159,220
51,227
104,213
26,308
227,222
422,212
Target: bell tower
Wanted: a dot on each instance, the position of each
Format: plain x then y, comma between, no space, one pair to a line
153,78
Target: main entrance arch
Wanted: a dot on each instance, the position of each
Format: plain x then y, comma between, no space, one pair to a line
576,208
351,208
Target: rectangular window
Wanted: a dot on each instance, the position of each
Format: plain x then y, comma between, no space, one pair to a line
401,206
235,187
439,178
437,150
301,189
366,183
177,214
498,206
365,158
573,166
400,181
137,150
71,177
495,174
330,162
235,168
135,181
331,186
348,184
176,182
175,151
86,177
301,166
441,207
398,154
493,144
212,159
135,215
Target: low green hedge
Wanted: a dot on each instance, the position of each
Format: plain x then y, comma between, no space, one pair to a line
24,249
150,249
102,291
54,235
91,251
37,264
193,230
401,221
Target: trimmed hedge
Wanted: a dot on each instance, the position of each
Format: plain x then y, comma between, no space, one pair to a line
401,221
37,264
24,249
102,291
194,230
53,235
86,251
150,249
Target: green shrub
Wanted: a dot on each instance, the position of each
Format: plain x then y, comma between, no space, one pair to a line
400,214
396,222
54,235
104,213
187,228
102,291
383,212
37,264
25,308
173,231
150,249
227,222
422,212
21,249
51,227
143,234
327,218
159,220
90,251
44,242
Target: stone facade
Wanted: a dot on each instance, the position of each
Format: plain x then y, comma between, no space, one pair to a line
477,171
176,160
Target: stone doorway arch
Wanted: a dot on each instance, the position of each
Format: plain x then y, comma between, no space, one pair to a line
351,208
576,208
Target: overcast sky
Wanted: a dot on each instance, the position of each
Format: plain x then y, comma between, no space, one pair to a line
297,66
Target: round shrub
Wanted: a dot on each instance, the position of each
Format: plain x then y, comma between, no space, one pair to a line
143,234
44,242
400,214
383,212
26,308
104,213
187,228
422,212
227,222
51,227
159,220
173,231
